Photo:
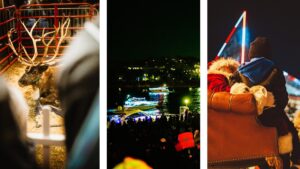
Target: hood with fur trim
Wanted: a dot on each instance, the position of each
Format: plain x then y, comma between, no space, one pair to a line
217,66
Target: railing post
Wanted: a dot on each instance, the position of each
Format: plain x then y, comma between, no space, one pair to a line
1,4
56,22
46,132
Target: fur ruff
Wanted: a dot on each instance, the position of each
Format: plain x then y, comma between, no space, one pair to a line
226,74
264,99
217,65
285,144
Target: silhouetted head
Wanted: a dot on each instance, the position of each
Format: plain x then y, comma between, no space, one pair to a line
260,47
32,75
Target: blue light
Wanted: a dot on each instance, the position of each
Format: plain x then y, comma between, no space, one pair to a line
243,38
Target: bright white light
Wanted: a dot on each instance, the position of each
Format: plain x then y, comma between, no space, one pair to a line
243,38
159,90
158,93
221,50
139,101
240,19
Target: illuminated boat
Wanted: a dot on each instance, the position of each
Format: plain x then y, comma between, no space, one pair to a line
139,102
159,90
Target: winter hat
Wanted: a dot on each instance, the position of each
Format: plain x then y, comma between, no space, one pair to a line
260,47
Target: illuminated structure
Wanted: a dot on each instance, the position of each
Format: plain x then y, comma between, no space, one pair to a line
159,90
139,101
243,45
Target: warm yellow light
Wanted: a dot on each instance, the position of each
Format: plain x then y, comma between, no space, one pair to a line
186,101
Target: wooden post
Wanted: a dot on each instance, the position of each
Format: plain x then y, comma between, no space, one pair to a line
1,4
46,132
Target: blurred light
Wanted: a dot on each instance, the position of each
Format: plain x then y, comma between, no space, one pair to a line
240,19
139,101
186,101
221,50
231,33
158,93
243,38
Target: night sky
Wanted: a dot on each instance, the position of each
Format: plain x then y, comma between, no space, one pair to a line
139,29
277,20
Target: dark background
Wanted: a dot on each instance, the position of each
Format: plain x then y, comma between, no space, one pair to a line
277,20
140,29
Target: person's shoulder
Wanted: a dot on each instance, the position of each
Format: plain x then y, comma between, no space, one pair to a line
278,70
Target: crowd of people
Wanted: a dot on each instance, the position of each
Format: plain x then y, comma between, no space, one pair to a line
156,141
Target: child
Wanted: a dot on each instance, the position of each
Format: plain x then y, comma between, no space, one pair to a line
262,71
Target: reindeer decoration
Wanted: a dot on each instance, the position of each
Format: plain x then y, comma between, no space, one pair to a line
39,72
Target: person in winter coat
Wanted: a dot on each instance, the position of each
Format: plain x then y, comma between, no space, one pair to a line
219,73
14,148
78,87
261,70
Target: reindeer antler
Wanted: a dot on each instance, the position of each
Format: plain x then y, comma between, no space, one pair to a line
63,28
30,61
11,45
34,41
50,41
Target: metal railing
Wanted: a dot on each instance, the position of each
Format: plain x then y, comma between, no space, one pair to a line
46,139
50,16
8,20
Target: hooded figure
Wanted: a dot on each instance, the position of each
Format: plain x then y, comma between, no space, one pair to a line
261,70
219,74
